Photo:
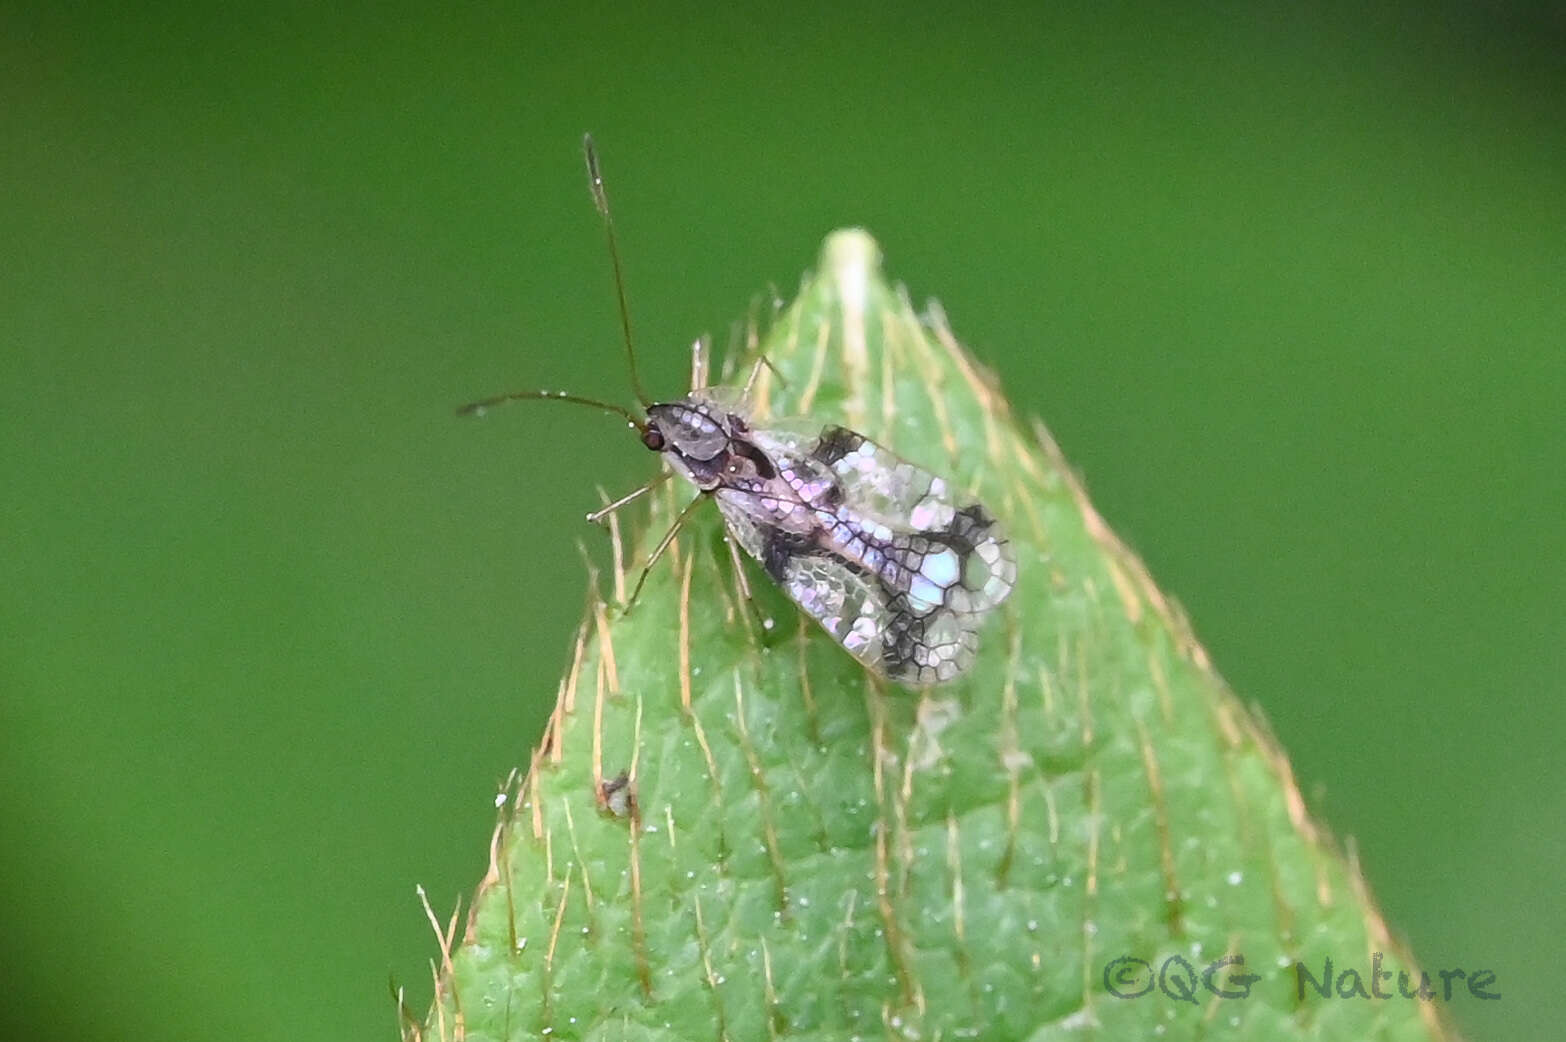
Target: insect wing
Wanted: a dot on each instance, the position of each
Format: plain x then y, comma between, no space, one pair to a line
849,607
920,513
896,571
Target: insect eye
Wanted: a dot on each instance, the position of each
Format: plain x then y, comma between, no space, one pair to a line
652,437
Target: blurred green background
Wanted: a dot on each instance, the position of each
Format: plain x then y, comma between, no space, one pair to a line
1288,287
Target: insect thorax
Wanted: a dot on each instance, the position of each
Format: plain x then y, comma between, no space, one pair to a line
706,443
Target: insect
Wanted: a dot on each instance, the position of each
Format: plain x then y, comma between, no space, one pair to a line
880,552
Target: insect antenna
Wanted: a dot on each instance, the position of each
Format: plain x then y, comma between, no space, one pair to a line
479,408
595,181
762,361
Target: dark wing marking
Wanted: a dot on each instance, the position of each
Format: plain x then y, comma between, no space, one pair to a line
778,549
834,443
928,648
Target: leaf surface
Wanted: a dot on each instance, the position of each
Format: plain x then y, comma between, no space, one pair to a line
731,831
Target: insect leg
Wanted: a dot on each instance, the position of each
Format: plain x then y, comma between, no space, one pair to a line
597,516
701,351
755,372
738,562
739,570
663,545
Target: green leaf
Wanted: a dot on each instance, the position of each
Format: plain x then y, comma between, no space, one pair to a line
731,831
